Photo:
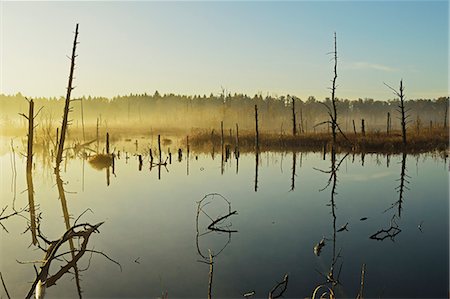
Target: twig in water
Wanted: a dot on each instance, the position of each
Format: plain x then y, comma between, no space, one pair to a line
280,288
4,286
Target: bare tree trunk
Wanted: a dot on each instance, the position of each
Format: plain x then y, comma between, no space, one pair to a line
256,129
67,103
333,91
107,143
354,127
388,124
446,113
30,136
403,112
159,148
294,122
363,127
236,151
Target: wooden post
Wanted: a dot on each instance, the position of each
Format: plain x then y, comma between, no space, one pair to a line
294,123
221,136
388,123
97,137
67,102
107,143
236,151
159,148
180,155
354,127
363,128
256,129
170,155
30,136
140,162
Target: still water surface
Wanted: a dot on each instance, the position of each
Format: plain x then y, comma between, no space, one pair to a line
151,226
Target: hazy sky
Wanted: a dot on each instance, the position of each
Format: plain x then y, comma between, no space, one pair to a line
247,47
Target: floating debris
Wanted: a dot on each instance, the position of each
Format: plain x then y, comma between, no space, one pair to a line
420,226
319,246
249,294
363,218
343,228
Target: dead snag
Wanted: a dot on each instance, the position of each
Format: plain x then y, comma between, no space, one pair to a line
256,129
278,290
401,109
294,122
67,102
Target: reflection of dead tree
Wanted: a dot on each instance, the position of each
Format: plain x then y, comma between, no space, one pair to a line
210,275
330,277
256,169
402,186
278,290
213,226
394,229
65,210
31,116
4,216
4,286
390,232
78,232
294,162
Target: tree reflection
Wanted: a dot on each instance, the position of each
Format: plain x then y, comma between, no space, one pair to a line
216,227
331,276
393,230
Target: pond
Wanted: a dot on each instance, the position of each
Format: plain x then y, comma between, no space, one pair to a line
317,220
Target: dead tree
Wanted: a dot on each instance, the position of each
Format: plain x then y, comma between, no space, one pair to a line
446,112
67,102
294,122
363,127
256,129
332,111
401,109
388,124
31,116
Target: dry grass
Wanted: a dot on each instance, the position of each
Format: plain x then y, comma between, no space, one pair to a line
372,142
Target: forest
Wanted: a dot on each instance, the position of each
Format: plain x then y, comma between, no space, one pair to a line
180,114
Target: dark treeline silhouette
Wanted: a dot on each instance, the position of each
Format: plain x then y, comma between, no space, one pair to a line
180,112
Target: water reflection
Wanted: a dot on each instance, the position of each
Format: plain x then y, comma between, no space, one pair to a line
289,219
393,230
330,276
208,206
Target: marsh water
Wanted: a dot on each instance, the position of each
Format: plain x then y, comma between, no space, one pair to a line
389,213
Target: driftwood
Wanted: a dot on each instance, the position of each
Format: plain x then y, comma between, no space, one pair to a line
278,290
78,231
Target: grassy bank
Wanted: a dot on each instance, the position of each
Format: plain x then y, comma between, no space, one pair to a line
372,142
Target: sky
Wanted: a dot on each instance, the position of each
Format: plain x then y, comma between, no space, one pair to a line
268,48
